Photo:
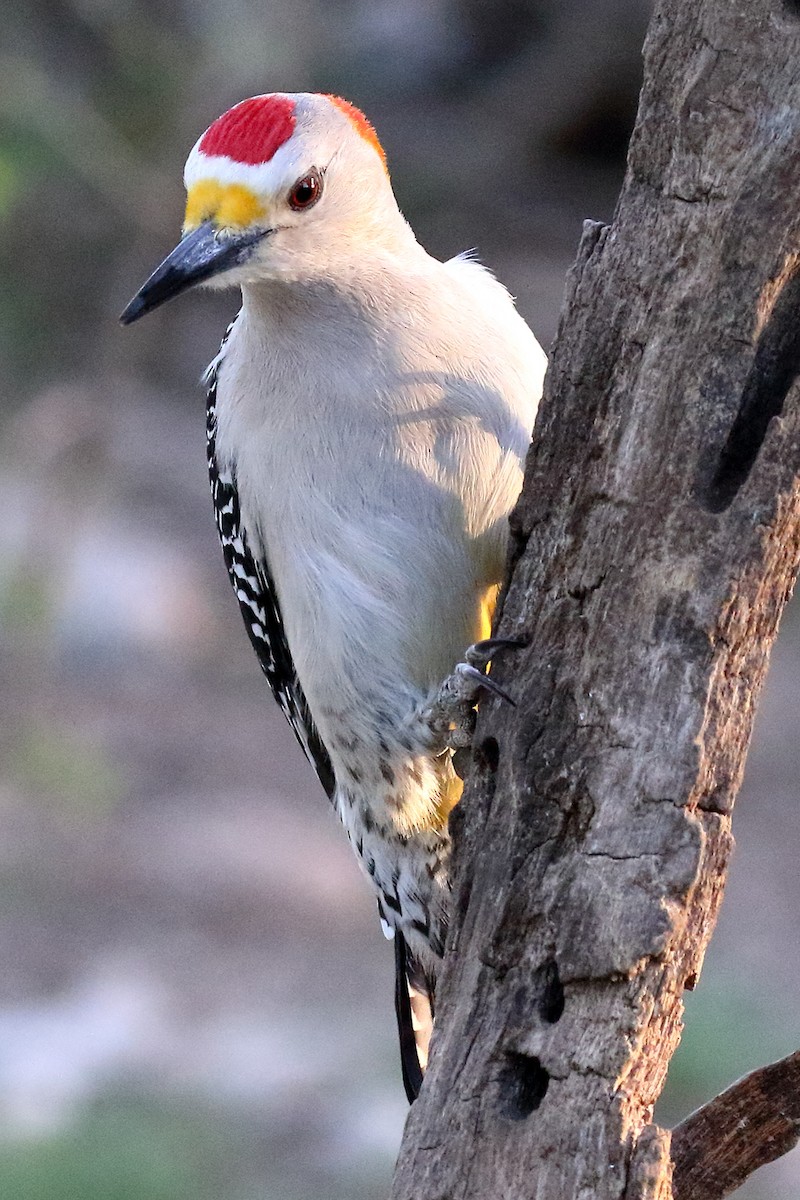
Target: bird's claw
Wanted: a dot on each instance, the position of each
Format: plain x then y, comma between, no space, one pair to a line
451,714
480,654
478,680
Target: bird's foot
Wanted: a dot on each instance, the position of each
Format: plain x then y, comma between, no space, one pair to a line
450,715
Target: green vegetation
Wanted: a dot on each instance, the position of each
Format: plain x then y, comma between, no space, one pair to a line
56,763
730,1029
129,1148
125,1151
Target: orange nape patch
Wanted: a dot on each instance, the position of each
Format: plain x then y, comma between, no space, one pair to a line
228,205
363,126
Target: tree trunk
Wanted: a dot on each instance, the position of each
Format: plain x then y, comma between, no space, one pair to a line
656,543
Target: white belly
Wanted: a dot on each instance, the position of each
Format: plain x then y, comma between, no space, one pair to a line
376,469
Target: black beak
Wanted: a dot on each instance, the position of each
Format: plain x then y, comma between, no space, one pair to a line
198,256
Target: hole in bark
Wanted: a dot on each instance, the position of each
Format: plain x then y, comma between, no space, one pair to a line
461,762
523,1086
773,371
793,6
487,755
551,1002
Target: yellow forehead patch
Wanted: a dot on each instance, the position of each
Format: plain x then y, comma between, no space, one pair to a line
229,205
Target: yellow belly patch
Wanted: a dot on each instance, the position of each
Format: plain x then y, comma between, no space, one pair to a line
229,205
488,603
448,798
451,786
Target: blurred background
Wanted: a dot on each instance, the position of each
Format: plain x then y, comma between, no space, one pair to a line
195,997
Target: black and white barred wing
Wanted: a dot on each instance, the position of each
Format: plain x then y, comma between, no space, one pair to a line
258,599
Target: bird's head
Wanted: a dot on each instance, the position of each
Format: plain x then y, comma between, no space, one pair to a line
278,187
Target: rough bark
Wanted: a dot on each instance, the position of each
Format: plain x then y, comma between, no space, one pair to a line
656,542
752,1123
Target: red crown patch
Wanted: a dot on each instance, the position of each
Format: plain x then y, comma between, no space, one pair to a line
252,131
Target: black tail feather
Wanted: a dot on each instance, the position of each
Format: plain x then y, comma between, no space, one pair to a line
411,979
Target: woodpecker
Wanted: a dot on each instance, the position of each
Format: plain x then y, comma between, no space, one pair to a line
368,416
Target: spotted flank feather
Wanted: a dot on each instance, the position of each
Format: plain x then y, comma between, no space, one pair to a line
255,591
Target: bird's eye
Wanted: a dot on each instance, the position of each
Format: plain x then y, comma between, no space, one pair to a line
306,191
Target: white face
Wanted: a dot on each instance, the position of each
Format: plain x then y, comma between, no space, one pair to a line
281,187
323,191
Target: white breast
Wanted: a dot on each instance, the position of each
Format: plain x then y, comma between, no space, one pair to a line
378,445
